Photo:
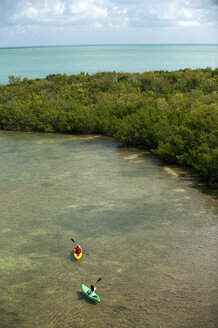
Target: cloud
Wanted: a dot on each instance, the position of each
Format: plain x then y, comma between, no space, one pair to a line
96,13
108,12
88,9
166,13
121,17
188,23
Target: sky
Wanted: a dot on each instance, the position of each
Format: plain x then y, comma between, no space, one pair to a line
69,22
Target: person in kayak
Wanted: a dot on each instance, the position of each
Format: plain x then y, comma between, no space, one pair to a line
92,290
78,250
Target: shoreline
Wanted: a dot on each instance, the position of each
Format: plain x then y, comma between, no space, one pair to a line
173,114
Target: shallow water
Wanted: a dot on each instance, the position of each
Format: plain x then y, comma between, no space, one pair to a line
150,235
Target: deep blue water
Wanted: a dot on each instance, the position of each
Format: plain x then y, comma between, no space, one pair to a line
38,62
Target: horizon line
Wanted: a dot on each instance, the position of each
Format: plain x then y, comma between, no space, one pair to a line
108,44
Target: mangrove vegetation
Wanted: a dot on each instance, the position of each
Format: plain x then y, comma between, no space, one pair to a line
174,114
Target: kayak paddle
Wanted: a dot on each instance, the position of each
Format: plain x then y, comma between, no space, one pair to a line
99,279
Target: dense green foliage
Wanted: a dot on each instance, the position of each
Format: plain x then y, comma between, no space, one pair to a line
174,114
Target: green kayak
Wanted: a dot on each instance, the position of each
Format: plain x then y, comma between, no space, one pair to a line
95,297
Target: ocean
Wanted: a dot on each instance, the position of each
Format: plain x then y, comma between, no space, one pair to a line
38,62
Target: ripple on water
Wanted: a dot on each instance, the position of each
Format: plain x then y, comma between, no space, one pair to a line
150,237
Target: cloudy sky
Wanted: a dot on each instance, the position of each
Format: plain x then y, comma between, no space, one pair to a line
66,22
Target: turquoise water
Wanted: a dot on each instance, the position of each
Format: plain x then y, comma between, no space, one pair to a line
38,62
150,235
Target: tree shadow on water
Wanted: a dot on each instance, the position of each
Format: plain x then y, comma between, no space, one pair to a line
189,175
199,183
